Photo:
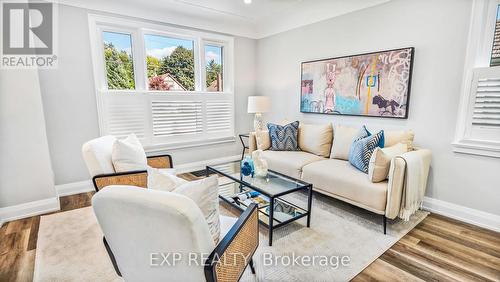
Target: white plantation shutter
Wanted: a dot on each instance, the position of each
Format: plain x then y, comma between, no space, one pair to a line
484,117
487,103
219,116
176,118
124,114
168,120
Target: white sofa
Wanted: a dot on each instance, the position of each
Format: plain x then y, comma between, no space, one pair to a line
335,176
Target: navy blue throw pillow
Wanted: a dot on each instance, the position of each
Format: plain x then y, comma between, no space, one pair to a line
362,150
284,137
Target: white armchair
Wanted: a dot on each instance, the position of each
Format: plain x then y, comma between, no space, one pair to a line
97,156
141,224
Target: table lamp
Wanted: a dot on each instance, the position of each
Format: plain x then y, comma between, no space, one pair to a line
258,105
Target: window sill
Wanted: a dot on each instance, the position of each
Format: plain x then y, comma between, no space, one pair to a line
477,147
183,145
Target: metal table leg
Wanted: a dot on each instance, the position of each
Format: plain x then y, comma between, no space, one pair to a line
271,220
309,205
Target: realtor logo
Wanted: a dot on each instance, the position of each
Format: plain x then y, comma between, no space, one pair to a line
28,35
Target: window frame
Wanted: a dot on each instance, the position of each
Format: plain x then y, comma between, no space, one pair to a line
133,39
477,57
196,58
138,29
204,63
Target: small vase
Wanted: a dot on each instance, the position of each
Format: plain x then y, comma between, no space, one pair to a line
260,165
247,166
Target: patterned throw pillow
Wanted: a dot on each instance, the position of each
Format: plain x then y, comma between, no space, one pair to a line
362,150
284,137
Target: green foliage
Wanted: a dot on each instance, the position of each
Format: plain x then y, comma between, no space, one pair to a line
153,65
212,70
119,68
180,64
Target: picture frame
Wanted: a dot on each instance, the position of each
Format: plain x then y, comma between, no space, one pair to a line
375,84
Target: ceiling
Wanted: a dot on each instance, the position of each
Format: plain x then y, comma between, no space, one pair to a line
259,19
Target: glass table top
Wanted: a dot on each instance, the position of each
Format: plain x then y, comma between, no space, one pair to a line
272,185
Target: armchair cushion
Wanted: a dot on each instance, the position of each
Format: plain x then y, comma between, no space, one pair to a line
97,155
128,155
205,193
163,179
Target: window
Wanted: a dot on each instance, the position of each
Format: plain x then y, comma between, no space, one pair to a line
170,63
159,81
118,59
478,123
214,68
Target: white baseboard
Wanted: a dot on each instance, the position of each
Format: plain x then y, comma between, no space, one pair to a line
183,168
465,214
74,188
29,209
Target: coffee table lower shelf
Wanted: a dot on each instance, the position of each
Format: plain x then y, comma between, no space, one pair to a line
282,212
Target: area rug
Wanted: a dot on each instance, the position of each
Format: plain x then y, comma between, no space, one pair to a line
341,242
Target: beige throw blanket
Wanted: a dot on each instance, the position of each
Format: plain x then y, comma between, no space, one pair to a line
415,183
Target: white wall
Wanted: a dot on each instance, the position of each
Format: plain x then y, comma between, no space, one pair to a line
25,169
70,103
438,31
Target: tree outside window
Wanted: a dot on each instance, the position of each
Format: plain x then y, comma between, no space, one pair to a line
119,61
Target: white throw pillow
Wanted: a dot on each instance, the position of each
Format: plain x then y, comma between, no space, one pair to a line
205,193
316,138
343,136
380,161
163,180
128,155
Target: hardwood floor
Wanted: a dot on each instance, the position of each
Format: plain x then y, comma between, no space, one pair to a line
438,249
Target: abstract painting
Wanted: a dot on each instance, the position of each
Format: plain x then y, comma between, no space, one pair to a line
373,84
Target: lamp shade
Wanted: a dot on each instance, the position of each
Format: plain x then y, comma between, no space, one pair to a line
258,104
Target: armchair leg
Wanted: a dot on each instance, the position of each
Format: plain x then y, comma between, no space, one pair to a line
111,256
252,268
385,225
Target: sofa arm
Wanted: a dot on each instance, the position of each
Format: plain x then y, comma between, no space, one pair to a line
252,142
133,178
396,181
162,161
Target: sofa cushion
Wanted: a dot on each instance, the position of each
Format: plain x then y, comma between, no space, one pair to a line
403,136
262,139
343,136
339,178
97,155
284,137
316,138
289,162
